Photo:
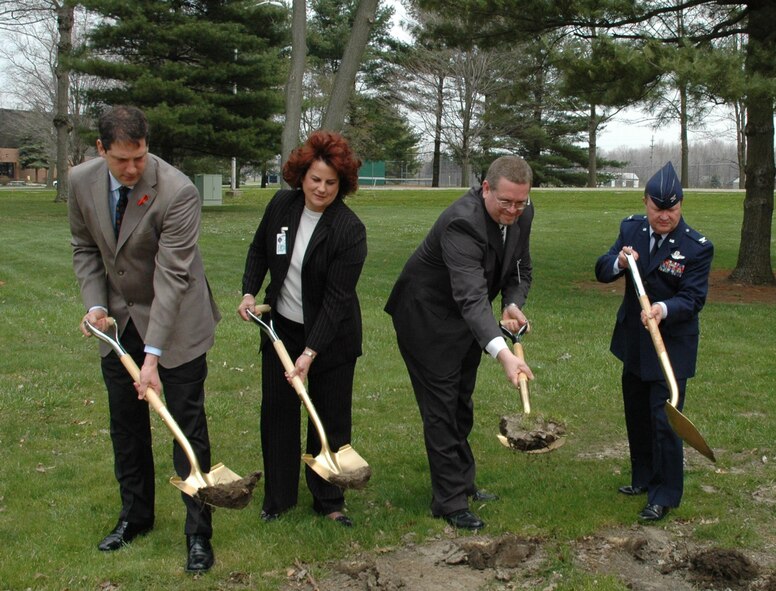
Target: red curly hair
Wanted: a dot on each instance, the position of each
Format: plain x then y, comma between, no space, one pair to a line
334,150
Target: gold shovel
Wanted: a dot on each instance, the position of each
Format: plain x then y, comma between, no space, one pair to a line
681,425
220,487
542,435
345,468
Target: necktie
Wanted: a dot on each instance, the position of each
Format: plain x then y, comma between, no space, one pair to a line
503,234
121,207
657,238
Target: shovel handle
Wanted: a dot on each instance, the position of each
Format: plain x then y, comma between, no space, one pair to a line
153,399
517,348
654,331
296,381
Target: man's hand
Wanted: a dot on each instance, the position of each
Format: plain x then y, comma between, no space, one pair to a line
97,318
622,262
513,319
513,367
655,312
149,377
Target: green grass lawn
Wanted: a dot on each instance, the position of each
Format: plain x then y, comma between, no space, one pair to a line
58,495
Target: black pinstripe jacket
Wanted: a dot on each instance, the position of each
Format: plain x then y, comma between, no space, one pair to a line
331,267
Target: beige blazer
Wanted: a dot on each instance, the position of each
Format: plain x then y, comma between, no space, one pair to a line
153,273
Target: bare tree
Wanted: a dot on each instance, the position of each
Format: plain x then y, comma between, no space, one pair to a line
23,16
294,84
345,79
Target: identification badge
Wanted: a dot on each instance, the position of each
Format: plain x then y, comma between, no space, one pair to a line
280,247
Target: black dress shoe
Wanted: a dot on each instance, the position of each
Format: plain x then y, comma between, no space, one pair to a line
483,496
632,490
123,534
464,519
200,554
340,518
653,512
269,516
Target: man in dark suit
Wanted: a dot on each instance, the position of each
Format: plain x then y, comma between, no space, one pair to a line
442,312
674,262
134,220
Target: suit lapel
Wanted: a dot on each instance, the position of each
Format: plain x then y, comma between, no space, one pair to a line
322,228
100,194
513,237
140,200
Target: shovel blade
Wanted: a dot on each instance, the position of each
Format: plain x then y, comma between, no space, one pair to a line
684,428
338,467
219,474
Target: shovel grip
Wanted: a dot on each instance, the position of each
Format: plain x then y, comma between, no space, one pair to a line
517,348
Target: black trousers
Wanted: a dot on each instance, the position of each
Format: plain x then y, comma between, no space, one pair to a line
130,432
331,392
656,454
447,410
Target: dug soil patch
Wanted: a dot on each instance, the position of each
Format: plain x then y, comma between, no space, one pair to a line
642,558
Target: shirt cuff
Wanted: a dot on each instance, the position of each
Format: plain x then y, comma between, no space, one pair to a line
153,350
93,308
495,347
664,308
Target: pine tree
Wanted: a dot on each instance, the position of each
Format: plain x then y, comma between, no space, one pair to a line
208,73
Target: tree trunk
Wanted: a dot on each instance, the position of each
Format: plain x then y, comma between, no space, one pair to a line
345,80
754,252
290,137
62,123
592,169
740,113
440,105
683,141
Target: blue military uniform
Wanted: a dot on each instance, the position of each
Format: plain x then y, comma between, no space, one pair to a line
677,275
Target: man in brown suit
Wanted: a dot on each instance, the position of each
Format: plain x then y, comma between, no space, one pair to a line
134,220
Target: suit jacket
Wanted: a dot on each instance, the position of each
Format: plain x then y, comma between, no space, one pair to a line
331,268
678,275
154,273
442,301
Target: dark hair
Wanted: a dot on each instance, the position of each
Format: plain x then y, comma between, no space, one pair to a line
123,124
334,150
513,168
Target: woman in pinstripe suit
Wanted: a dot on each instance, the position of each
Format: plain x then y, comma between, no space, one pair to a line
314,248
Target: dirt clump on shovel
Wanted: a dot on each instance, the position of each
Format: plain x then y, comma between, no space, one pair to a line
532,434
231,495
355,479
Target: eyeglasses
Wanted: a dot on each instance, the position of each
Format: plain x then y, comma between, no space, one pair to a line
506,204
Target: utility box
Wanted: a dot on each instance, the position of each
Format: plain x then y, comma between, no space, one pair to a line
209,188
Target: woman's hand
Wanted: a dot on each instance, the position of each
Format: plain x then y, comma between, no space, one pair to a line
248,303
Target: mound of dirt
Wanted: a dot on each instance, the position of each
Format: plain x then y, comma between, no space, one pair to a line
722,567
531,433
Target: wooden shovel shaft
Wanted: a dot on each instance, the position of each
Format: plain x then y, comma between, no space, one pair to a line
301,391
681,425
654,331
156,403
523,379
660,348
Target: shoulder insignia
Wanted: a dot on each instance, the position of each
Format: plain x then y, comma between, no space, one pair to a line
697,236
